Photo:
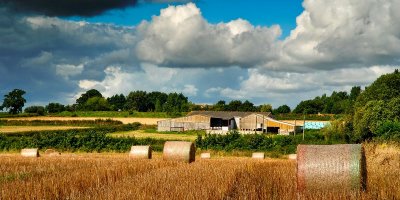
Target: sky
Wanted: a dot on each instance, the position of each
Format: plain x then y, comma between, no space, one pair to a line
277,52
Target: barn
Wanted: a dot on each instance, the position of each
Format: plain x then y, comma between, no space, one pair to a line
220,122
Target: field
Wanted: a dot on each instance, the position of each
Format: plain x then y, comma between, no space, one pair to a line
15,129
115,176
148,121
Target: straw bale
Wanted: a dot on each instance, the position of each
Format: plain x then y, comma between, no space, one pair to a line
258,155
179,151
51,152
331,168
205,155
292,156
32,152
142,152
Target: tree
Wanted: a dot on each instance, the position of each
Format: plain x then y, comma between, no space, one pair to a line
369,119
220,106
355,92
234,105
14,101
384,88
87,95
266,108
117,102
155,98
282,109
35,110
247,106
55,108
176,103
137,100
96,104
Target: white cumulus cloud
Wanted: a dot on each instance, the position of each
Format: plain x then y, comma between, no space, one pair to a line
181,37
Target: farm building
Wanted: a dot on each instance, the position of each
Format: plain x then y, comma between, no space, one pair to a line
220,122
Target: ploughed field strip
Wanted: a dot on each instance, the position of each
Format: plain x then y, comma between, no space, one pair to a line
118,176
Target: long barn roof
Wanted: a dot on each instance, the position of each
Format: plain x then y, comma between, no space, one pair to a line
227,114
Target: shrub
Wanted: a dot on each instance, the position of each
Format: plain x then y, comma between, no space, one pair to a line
35,110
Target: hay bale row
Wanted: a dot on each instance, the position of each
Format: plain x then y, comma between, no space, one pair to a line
141,152
331,167
30,152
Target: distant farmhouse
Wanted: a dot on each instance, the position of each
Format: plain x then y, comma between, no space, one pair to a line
220,122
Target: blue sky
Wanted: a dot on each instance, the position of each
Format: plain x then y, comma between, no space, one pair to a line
277,52
262,13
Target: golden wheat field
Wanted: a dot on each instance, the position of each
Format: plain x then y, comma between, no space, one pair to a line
115,176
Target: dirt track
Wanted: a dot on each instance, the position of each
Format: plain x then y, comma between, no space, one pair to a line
148,121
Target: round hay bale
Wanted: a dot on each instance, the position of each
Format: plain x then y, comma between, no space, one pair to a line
141,152
258,155
331,167
179,151
292,156
51,152
205,155
31,152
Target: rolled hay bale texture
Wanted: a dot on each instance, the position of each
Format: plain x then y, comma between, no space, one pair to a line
141,152
205,155
31,152
292,156
179,151
258,155
331,168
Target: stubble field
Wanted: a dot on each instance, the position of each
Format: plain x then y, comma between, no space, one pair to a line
115,176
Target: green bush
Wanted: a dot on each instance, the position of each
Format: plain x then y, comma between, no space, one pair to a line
259,142
94,140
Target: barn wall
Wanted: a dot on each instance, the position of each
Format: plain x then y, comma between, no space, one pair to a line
255,121
195,122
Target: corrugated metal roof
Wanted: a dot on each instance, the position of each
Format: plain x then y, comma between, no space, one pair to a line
227,114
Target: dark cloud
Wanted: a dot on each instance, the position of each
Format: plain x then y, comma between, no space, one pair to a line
67,7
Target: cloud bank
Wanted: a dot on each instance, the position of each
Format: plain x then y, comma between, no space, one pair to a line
67,7
336,45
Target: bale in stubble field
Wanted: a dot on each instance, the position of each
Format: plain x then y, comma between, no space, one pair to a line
292,156
258,155
51,152
205,155
331,168
142,152
179,151
30,152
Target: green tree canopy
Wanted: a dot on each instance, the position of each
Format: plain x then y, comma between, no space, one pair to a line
282,109
266,108
385,87
14,101
87,95
96,104
137,100
55,108
35,110
117,102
